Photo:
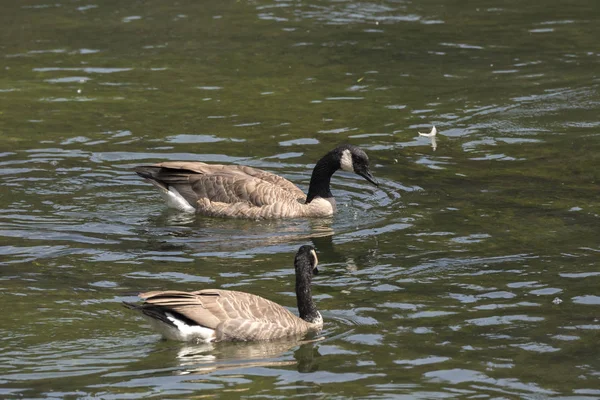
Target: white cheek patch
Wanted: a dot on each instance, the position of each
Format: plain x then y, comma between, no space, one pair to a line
346,163
314,253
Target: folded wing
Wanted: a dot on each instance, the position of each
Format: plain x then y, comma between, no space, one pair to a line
233,315
202,184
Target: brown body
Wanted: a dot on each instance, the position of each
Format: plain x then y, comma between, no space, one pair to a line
235,191
232,315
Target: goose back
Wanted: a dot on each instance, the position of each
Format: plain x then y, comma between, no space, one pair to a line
229,170
232,315
233,191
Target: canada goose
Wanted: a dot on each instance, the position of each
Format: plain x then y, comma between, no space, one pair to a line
244,192
214,315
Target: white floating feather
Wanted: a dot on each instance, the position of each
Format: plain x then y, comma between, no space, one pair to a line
430,134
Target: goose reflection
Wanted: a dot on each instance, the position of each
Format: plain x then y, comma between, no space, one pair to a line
205,358
207,236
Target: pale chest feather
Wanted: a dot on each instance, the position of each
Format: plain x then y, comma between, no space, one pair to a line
320,207
287,207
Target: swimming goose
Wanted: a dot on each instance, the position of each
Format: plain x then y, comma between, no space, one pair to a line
238,191
214,315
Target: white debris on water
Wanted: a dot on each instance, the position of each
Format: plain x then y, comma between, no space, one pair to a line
430,134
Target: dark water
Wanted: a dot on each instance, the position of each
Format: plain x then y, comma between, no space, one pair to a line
472,272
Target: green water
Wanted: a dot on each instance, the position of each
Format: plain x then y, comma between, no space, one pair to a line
472,272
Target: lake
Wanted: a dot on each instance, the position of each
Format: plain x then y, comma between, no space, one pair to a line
472,271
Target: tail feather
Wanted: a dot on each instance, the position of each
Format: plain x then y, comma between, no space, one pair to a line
173,325
173,184
163,175
151,174
144,171
153,312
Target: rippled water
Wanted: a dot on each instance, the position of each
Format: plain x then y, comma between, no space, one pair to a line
472,271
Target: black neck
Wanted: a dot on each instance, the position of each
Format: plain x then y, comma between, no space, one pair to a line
321,178
306,306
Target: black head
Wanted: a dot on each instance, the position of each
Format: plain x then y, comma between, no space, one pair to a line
353,159
306,258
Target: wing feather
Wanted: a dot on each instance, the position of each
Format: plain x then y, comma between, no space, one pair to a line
214,188
241,170
233,315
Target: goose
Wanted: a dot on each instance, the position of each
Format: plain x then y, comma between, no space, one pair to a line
215,315
237,191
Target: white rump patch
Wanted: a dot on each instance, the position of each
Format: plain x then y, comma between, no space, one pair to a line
346,163
182,331
176,201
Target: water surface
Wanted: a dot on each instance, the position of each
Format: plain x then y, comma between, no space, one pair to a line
470,272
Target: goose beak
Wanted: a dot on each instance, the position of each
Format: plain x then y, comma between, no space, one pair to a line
368,176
